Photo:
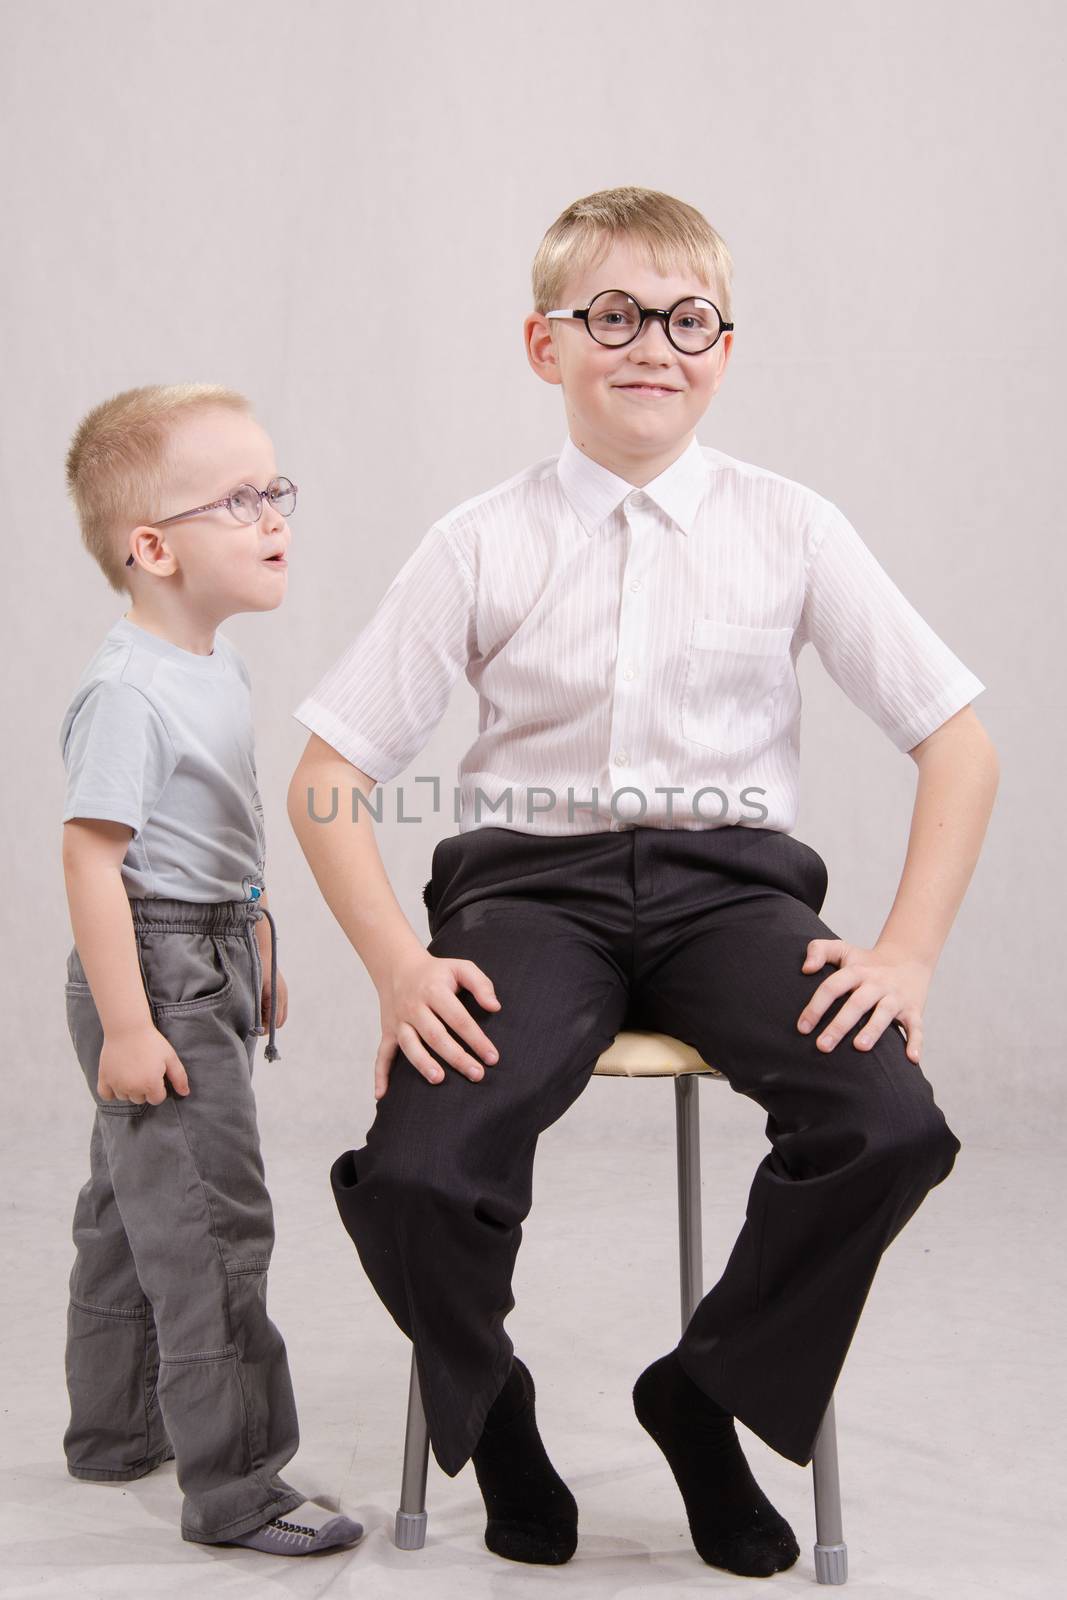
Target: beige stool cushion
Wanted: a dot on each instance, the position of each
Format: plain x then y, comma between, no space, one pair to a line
650,1055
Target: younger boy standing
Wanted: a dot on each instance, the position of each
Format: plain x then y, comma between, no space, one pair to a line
631,612
170,1352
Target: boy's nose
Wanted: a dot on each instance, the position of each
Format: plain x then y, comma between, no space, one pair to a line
272,521
653,341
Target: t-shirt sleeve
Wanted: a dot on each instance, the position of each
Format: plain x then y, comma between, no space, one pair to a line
381,700
873,642
118,756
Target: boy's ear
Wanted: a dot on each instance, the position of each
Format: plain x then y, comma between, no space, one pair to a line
155,551
541,347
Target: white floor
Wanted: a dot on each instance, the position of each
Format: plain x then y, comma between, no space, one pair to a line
949,1408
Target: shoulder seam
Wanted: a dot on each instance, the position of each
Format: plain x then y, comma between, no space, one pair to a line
460,556
818,521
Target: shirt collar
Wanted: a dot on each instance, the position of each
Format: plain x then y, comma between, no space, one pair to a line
594,491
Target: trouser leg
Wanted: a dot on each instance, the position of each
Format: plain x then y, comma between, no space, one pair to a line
116,1429
435,1200
188,1183
857,1139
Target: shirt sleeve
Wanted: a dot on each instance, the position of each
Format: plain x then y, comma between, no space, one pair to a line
873,642
381,700
118,756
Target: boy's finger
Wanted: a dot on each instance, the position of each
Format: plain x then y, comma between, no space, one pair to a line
454,1013
177,1075
382,1063
479,983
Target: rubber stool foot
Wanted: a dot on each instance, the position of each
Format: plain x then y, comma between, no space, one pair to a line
410,1531
831,1563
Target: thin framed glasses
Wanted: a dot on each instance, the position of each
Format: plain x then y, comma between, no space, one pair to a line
245,503
614,318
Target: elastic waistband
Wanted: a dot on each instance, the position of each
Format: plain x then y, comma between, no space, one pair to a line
213,916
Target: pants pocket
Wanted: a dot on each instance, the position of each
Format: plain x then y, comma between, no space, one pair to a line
184,972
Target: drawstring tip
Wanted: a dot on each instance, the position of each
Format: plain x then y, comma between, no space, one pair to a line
271,1053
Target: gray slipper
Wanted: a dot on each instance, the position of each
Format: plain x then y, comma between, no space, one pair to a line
283,1538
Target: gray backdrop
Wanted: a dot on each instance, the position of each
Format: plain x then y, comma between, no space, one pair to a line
238,192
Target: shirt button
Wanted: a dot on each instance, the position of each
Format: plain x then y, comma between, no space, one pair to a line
629,672
638,499
636,584
622,757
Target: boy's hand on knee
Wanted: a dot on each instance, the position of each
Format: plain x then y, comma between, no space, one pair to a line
137,1066
420,997
886,985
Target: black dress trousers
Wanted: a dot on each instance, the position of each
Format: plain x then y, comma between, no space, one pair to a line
698,933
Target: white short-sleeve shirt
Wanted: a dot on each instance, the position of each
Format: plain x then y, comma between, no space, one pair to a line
634,650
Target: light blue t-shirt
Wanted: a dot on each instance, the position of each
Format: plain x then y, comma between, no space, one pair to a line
161,739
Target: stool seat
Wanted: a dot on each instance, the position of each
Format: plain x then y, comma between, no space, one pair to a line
636,1054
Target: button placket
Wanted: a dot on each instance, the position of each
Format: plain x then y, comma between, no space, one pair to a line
633,635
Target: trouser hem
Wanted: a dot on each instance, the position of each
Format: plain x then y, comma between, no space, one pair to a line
785,1444
129,1475
245,1524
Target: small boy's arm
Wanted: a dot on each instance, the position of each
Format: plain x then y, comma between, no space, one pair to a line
102,923
118,756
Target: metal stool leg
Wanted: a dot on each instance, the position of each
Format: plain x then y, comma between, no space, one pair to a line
690,1239
410,1530
831,1552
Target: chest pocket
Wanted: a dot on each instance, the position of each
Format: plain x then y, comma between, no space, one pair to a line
734,684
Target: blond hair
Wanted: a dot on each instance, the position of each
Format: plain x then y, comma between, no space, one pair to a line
118,464
673,233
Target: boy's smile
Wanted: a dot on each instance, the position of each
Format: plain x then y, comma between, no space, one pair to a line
648,390
633,407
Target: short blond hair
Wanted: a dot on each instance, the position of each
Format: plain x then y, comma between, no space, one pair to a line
118,464
673,232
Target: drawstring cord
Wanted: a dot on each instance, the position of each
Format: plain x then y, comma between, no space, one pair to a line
271,1053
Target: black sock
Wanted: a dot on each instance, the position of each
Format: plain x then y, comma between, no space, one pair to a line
532,1515
732,1522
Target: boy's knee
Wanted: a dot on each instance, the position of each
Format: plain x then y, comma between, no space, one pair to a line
395,1178
924,1150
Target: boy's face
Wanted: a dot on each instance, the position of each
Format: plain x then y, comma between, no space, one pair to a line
221,565
636,404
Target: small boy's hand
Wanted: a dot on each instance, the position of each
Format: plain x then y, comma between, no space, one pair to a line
136,1066
264,1002
890,981
419,998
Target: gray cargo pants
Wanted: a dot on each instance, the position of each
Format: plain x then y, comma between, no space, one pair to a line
170,1351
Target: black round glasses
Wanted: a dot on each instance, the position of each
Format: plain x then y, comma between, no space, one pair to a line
614,318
